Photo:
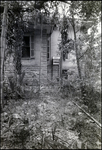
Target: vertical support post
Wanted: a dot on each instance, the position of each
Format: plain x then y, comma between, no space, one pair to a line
61,68
59,72
40,57
51,69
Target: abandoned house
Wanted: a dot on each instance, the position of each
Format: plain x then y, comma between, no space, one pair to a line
41,55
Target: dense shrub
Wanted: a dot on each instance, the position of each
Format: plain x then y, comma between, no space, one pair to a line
14,87
90,98
69,90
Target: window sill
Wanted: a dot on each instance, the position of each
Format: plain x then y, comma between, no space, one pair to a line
28,58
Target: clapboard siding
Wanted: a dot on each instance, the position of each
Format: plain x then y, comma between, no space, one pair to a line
44,58
38,64
31,66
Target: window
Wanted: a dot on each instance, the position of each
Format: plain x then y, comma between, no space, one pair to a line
28,47
65,74
65,55
64,71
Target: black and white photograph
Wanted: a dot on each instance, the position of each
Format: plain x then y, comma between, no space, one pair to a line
50,63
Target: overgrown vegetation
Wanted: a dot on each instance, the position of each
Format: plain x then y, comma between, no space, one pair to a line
41,117
47,122
15,87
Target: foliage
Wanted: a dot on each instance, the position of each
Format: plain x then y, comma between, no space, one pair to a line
90,9
50,120
88,136
82,20
18,127
15,34
23,125
15,87
91,59
90,98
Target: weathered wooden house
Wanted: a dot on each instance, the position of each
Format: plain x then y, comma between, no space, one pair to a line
39,48
40,52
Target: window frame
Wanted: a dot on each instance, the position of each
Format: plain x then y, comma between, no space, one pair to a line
30,46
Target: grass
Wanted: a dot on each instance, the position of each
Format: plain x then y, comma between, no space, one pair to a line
48,114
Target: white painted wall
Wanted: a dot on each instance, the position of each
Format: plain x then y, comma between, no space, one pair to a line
55,40
69,63
70,33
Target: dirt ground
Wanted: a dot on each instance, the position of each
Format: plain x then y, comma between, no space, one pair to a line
50,122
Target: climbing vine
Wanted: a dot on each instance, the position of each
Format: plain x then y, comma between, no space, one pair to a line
15,35
66,44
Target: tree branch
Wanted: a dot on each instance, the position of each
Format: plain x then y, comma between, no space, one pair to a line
99,124
83,54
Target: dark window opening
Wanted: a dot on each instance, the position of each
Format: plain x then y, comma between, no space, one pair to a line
47,53
64,71
26,47
65,55
64,74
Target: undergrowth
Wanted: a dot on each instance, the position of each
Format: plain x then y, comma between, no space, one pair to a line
22,127
91,98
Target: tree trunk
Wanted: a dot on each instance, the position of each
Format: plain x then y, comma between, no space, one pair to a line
77,59
3,46
60,65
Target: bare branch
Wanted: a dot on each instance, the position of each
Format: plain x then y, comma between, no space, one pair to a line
83,54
